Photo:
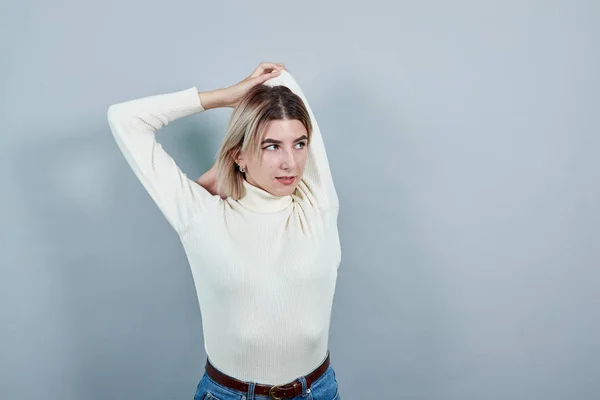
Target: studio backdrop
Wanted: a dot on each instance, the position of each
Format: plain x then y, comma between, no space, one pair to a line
463,141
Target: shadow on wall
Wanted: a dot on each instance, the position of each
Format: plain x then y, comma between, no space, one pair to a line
109,312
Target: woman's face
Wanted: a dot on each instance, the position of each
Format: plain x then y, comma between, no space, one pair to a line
283,154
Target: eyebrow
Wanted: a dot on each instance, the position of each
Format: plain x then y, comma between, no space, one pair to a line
279,141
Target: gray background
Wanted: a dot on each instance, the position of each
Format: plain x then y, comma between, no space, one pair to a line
463,139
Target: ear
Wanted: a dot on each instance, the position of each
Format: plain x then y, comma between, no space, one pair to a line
238,157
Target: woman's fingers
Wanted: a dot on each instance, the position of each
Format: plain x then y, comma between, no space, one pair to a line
262,73
268,75
266,67
269,65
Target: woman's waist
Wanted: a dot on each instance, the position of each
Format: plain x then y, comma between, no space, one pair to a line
272,364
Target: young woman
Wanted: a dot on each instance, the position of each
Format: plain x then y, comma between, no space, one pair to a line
259,230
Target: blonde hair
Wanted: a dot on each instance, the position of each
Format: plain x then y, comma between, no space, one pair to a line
261,104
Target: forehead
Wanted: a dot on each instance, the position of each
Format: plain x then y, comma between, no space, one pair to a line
284,129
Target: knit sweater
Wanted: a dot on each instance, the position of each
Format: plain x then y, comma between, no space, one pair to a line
265,266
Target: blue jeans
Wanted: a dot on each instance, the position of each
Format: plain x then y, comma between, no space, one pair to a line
324,388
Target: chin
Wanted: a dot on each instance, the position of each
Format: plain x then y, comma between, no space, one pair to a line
287,190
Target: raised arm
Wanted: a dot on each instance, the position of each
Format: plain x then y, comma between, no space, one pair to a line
134,124
317,173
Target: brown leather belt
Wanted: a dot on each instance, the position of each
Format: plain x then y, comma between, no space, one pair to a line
288,390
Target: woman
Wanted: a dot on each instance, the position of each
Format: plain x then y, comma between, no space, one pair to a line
259,230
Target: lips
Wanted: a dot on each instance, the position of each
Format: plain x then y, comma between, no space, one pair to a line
286,180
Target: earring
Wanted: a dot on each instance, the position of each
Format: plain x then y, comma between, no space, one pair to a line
241,169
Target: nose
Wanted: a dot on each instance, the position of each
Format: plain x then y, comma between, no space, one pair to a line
289,160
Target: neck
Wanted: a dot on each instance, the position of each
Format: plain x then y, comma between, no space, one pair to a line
259,200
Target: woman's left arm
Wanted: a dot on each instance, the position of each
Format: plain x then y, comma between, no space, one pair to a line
317,174
209,181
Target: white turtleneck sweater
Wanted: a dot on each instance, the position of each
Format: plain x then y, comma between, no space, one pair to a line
264,266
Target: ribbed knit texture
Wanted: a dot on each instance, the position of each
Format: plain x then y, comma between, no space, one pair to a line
264,267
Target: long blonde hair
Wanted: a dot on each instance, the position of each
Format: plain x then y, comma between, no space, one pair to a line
261,104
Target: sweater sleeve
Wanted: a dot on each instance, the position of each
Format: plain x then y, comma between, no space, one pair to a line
317,176
134,124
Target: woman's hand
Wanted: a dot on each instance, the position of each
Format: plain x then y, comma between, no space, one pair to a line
231,95
209,182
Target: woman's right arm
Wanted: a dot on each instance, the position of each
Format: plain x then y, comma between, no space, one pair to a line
134,124
213,99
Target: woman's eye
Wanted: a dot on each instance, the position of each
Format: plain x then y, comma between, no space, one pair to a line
274,145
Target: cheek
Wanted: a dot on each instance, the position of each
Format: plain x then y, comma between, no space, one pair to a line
302,160
267,165
270,161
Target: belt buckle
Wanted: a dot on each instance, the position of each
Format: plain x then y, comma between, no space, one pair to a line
272,393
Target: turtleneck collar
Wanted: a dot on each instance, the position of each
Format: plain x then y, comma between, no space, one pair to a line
259,200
